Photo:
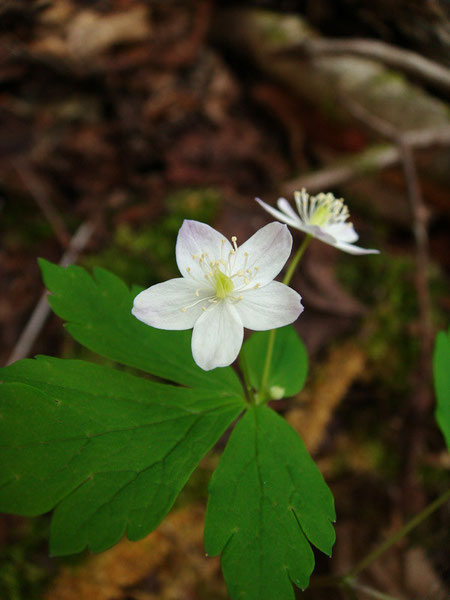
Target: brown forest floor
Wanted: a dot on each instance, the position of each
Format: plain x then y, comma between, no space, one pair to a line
128,115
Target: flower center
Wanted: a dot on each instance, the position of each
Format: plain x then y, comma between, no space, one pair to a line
223,283
321,210
321,215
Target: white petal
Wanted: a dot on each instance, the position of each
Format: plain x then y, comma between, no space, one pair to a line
271,306
161,305
352,249
195,238
217,336
268,250
284,205
293,222
342,232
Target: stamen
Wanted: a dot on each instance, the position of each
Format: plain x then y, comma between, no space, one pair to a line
185,308
234,242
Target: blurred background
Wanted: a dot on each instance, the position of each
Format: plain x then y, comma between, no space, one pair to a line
120,118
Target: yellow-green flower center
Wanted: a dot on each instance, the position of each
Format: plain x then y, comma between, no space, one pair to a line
224,284
321,215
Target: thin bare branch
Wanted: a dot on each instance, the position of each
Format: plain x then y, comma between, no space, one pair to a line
421,400
42,309
371,160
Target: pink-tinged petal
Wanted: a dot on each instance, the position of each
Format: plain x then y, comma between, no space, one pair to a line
162,305
343,232
195,239
352,249
281,216
269,307
265,253
217,336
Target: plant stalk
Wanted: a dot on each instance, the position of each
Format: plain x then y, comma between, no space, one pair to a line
287,278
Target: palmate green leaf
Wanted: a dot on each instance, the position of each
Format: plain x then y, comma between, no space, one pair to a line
267,503
98,314
289,365
441,370
110,450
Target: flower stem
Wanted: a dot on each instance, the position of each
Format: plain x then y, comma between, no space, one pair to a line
395,537
271,342
296,259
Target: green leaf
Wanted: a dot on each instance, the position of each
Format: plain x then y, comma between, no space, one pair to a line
289,365
110,450
266,500
441,369
98,312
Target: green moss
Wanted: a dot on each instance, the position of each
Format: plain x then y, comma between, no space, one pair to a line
387,283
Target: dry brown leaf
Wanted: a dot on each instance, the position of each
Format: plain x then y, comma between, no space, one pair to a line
342,367
144,570
91,33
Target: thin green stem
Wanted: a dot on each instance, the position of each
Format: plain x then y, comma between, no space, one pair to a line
294,262
394,538
287,278
245,373
265,377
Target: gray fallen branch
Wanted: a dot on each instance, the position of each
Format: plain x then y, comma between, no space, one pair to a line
42,309
267,38
371,160
392,56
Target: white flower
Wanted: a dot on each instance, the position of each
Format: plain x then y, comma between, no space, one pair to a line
322,216
223,289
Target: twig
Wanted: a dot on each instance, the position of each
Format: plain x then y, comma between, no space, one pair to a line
350,579
38,190
422,398
398,535
371,160
393,56
42,309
